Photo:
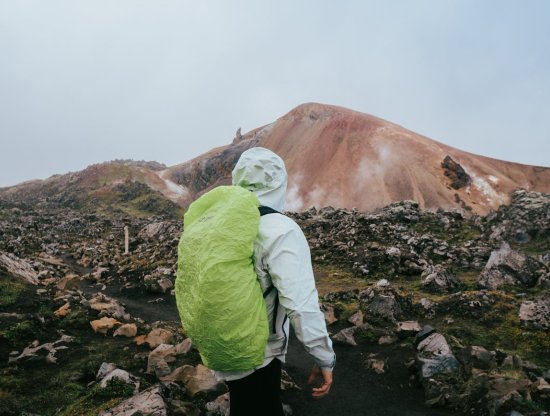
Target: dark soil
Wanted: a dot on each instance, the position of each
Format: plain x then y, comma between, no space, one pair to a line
356,390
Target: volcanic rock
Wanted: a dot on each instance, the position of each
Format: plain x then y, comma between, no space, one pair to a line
18,267
477,357
437,279
328,311
383,301
408,328
106,306
122,376
156,337
199,381
536,313
218,407
159,358
149,402
103,325
357,319
45,351
456,173
435,356
507,266
126,330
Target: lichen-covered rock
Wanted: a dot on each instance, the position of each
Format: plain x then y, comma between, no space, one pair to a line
477,357
510,267
147,403
435,356
18,267
437,279
536,313
382,300
121,376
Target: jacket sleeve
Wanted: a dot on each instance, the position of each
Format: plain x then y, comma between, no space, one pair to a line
289,265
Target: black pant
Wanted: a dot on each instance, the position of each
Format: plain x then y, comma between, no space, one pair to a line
258,394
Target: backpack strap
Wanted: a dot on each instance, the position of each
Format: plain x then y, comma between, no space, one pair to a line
267,210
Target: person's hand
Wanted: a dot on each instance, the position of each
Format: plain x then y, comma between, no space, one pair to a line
322,391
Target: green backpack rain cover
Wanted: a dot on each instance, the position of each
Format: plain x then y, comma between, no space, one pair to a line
218,295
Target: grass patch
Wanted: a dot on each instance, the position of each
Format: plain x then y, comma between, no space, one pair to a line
10,290
333,279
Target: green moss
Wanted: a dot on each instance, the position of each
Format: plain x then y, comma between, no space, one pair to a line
335,279
114,388
10,289
76,319
20,333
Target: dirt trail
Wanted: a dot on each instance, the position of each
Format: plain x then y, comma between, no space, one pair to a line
356,391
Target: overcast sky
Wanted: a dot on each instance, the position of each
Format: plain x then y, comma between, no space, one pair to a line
87,81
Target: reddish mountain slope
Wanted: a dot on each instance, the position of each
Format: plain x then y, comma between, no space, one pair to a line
334,156
348,159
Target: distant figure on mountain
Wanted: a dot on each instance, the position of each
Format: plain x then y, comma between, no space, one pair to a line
283,266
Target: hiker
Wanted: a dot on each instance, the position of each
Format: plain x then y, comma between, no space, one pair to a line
283,267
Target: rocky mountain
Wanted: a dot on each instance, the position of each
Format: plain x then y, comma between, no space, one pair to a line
346,159
335,157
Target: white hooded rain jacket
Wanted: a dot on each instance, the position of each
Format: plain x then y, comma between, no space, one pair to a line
283,266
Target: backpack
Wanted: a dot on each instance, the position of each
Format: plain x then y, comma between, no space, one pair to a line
218,295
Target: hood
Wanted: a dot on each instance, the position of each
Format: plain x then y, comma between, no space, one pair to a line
263,172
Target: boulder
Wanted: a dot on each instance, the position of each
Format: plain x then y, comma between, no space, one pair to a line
509,267
438,279
18,267
104,369
126,330
151,230
357,318
346,336
219,406
103,325
540,390
63,310
435,356
408,328
536,313
68,282
122,376
158,360
381,300
328,311
106,306
147,403
156,337
199,381
477,357
506,394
